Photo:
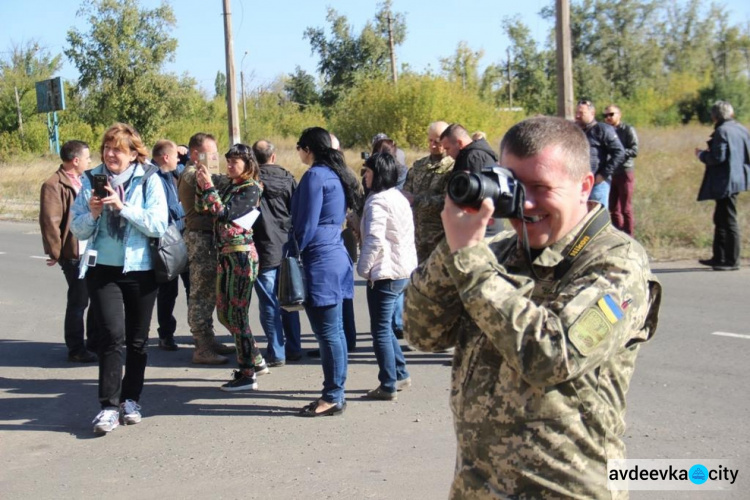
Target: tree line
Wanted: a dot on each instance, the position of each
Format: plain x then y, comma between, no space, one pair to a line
662,62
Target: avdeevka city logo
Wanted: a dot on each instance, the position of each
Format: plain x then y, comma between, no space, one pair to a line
698,474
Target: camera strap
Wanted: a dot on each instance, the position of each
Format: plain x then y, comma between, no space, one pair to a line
593,227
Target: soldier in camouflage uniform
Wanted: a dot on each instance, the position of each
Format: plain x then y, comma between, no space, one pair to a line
542,360
425,189
202,257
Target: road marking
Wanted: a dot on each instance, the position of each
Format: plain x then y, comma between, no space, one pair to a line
735,335
38,257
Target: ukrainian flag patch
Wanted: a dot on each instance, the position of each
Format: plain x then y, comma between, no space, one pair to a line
612,311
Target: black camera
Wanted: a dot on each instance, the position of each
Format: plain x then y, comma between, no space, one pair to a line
469,190
364,155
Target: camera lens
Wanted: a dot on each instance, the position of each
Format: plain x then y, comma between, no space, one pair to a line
465,189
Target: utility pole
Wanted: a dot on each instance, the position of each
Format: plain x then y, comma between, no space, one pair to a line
510,82
564,60
20,116
242,84
234,125
393,51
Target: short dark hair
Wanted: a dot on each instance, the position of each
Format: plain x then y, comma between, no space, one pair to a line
198,139
161,147
263,154
455,131
72,149
531,136
245,153
384,171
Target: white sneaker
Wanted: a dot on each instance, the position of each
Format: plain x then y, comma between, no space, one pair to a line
262,368
106,420
130,411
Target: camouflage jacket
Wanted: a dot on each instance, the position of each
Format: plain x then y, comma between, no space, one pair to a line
427,181
540,369
228,201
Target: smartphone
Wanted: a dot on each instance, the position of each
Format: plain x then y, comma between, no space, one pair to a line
211,161
100,180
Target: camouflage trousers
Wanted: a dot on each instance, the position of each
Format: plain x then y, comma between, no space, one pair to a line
202,258
235,274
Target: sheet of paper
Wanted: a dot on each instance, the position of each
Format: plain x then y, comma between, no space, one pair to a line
247,220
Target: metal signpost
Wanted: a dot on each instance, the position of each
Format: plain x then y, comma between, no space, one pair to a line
50,98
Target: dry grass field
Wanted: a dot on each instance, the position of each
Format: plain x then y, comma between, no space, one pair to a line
669,222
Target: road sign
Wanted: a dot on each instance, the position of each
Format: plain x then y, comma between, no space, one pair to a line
50,95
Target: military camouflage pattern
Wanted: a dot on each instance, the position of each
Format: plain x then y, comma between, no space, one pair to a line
186,192
427,181
534,416
202,258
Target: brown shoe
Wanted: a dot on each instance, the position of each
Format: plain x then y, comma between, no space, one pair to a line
220,348
382,395
208,357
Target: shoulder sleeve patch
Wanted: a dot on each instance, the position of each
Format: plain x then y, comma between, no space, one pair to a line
589,330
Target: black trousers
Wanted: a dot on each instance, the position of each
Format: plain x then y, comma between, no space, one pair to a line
165,302
726,232
78,301
123,304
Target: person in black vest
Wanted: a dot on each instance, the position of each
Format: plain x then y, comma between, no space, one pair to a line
470,156
270,232
165,155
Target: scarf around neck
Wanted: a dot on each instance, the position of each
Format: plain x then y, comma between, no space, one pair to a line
118,182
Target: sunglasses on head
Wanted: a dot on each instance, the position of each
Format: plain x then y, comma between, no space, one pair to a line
585,102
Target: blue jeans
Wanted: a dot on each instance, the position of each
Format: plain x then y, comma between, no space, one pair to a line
600,193
328,327
382,296
398,313
281,327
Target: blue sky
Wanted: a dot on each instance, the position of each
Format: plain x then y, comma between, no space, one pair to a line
271,31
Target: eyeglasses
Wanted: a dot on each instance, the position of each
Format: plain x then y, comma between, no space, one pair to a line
608,115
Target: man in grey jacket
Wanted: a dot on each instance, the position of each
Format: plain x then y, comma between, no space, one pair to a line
727,161
623,178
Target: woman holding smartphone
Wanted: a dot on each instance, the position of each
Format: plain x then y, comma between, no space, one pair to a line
230,199
119,224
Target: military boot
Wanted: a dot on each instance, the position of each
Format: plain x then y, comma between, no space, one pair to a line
221,348
205,355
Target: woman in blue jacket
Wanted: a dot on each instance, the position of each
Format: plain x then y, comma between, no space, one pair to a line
119,224
318,210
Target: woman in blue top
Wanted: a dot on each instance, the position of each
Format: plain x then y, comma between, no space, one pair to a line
318,210
119,223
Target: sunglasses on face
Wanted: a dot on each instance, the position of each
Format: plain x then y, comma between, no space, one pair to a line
608,115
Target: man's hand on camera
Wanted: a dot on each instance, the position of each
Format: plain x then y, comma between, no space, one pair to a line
465,227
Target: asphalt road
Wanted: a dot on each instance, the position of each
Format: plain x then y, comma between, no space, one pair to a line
689,399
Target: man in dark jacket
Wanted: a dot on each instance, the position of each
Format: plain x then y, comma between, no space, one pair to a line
270,232
727,162
165,155
623,179
56,201
606,150
470,156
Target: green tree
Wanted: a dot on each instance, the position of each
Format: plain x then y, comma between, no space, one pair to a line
345,57
25,64
462,66
119,60
300,88
220,85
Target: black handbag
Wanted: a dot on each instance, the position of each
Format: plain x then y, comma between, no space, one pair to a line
169,255
292,291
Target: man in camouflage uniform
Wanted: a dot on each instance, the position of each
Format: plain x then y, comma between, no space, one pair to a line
542,360
202,257
425,189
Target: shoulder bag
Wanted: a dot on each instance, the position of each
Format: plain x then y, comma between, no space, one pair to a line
292,291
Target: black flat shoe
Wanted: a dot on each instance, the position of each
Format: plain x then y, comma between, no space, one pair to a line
710,262
309,410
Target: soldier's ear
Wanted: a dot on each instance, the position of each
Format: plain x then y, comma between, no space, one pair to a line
587,184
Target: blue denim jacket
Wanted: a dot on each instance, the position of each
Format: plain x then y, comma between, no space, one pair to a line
146,219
